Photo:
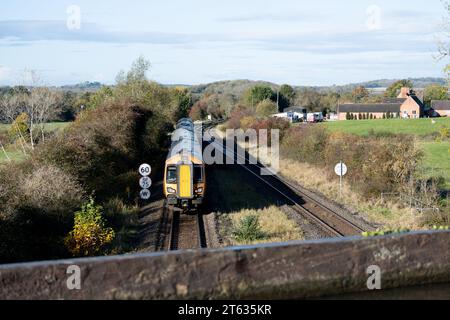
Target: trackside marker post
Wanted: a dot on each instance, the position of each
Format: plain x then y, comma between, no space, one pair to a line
341,170
145,182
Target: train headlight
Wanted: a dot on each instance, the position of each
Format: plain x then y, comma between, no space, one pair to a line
170,190
199,190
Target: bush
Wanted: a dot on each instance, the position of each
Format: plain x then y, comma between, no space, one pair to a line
36,211
305,144
89,235
19,128
272,124
248,230
266,108
237,114
49,190
376,163
199,111
247,122
443,134
104,143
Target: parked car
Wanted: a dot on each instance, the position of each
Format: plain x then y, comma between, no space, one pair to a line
315,117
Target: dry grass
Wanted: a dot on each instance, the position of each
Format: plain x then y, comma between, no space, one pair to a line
390,215
274,224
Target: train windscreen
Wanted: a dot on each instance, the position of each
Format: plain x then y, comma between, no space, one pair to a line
172,175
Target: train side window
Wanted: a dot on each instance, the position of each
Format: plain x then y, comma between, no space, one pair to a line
198,173
171,174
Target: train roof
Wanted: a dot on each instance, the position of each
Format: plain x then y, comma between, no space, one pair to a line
186,141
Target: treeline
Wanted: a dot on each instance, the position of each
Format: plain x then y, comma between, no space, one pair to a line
221,98
70,196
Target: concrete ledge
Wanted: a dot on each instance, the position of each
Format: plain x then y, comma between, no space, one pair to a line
280,271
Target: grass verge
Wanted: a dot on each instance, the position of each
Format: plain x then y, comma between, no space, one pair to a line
274,225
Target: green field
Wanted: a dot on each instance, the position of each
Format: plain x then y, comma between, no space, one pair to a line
51,126
419,127
15,154
437,160
437,155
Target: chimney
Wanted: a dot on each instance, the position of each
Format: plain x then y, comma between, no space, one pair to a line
404,93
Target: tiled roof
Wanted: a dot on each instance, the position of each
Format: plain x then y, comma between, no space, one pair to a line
440,104
371,108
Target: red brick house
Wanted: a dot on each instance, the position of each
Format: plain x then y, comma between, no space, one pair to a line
441,107
410,107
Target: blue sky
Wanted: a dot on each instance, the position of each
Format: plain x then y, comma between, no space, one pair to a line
320,42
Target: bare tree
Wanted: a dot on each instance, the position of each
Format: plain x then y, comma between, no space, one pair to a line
41,105
11,106
46,107
444,40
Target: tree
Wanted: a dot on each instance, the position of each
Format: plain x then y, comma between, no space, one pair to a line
47,107
393,90
258,93
360,93
100,97
287,96
347,116
134,83
40,106
183,102
435,92
12,105
19,128
310,99
199,110
266,108
443,42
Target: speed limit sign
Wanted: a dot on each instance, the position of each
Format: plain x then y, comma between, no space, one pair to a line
145,194
145,170
145,182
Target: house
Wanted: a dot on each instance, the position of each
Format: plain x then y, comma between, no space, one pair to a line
293,114
377,110
441,107
410,107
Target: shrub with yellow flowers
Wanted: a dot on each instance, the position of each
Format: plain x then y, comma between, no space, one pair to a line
90,234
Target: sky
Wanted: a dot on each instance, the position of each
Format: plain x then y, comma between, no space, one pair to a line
321,42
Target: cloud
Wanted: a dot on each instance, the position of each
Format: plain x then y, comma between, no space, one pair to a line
19,31
274,17
6,73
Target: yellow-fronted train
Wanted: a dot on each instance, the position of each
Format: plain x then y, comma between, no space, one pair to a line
184,178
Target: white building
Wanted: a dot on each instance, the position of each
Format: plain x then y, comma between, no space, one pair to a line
293,114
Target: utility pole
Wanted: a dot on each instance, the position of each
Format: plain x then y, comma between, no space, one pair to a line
278,99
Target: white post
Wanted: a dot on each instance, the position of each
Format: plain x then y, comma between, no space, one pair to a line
340,181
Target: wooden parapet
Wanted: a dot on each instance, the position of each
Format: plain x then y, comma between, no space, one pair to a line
279,271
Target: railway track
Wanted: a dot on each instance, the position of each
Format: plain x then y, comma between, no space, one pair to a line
330,221
184,231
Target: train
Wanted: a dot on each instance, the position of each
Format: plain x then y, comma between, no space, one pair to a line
184,173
